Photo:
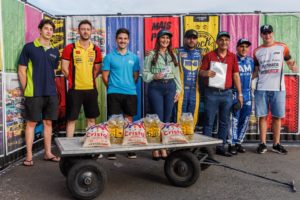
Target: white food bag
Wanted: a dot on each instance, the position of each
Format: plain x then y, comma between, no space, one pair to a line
219,80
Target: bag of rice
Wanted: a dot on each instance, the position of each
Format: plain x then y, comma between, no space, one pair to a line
172,134
135,134
152,126
116,128
97,136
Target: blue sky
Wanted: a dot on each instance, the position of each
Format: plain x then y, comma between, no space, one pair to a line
88,7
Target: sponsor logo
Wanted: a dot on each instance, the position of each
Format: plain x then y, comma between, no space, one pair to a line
131,62
52,56
206,42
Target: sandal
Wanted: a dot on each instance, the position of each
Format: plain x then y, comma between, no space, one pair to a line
53,159
155,155
28,163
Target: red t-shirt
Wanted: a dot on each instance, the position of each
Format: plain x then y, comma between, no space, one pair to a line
231,61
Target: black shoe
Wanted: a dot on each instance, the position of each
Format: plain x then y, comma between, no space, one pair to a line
111,156
240,148
278,148
222,152
232,149
131,155
155,158
262,148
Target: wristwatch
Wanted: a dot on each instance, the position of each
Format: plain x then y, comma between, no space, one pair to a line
240,95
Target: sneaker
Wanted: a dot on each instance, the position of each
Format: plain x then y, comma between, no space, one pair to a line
278,148
262,148
111,156
232,149
131,155
100,156
240,148
222,152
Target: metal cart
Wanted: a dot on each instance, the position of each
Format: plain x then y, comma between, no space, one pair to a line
86,178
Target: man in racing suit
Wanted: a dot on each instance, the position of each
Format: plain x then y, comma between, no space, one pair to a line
189,58
240,116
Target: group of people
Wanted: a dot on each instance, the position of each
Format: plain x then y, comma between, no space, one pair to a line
172,75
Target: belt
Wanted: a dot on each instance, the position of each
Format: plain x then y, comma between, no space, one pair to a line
189,87
164,80
217,89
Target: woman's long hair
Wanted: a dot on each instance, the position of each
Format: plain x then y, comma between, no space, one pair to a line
169,49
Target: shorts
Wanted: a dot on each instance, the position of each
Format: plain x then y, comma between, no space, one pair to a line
121,104
87,98
269,100
38,108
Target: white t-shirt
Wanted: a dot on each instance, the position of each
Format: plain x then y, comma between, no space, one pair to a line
270,61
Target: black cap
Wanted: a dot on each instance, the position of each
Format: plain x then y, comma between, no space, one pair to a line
223,33
243,41
164,32
266,28
191,33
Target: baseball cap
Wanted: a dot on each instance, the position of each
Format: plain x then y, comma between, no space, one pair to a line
191,33
243,41
223,33
266,28
164,32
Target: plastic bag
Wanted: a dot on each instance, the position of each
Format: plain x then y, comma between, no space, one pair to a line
135,134
187,125
152,126
97,136
116,128
172,134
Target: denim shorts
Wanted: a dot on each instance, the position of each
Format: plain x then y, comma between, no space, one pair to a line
273,100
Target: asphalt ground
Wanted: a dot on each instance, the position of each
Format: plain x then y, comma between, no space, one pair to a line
143,178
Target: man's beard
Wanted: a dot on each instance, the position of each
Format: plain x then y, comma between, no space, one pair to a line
85,38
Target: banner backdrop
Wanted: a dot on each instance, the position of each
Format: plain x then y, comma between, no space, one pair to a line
98,38
14,108
60,123
136,44
241,26
290,123
154,24
1,118
13,32
207,27
1,40
32,20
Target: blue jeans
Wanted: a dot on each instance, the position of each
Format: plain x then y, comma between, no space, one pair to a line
217,101
161,95
269,100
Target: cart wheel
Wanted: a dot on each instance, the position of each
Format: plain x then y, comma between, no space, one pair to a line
182,168
65,165
86,179
210,155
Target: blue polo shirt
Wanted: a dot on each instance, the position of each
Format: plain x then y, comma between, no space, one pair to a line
40,63
121,69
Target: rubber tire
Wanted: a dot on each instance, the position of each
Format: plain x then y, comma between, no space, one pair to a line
65,165
209,153
188,161
75,184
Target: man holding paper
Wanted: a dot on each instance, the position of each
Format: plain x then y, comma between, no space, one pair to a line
220,70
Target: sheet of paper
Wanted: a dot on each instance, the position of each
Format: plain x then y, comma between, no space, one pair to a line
219,80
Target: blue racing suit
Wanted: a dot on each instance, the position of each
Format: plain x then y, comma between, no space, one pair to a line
189,63
240,119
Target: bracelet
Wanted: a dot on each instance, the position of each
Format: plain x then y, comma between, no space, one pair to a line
240,95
